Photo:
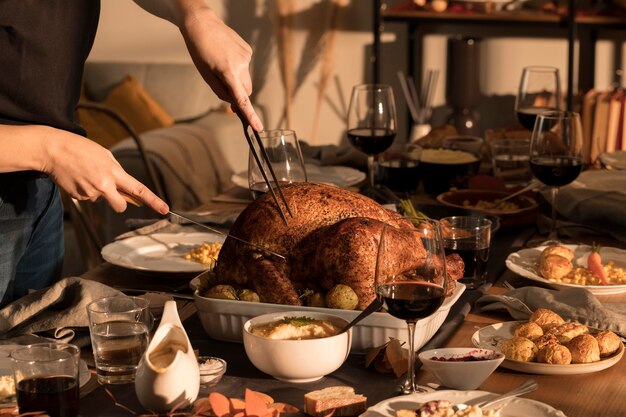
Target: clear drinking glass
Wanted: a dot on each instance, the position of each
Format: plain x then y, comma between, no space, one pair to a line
119,328
556,155
47,378
283,151
372,122
411,277
539,91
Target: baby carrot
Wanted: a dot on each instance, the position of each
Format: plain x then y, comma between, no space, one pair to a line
594,263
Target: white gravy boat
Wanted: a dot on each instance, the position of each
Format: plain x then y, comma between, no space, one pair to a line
168,373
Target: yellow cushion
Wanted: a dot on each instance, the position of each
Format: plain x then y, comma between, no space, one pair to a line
131,101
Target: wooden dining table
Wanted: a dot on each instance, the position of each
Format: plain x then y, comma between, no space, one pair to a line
597,394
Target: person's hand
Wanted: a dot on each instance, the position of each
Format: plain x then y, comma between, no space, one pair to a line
87,171
222,57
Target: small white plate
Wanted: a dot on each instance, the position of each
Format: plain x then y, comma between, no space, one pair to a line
328,174
489,337
526,261
516,407
151,253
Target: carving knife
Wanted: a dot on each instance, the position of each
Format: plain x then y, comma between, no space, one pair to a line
132,200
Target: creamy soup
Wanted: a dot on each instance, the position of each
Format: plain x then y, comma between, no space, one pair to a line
296,328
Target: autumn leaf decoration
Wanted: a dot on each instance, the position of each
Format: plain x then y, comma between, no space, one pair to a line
254,404
390,357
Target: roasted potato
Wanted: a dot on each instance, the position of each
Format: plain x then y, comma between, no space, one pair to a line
224,292
343,297
249,295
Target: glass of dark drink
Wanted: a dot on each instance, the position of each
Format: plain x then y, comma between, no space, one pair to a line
46,378
285,156
470,238
372,122
556,155
539,91
411,277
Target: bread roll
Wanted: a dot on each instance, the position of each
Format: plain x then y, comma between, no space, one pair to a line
545,318
518,349
567,331
608,342
529,330
554,354
554,267
546,340
584,349
342,399
558,250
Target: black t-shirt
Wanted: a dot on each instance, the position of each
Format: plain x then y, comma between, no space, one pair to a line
43,48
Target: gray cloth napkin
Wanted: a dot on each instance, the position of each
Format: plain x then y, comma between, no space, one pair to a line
54,312
574,304
345,155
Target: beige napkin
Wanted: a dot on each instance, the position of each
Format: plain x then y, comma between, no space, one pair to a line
573,304
53,312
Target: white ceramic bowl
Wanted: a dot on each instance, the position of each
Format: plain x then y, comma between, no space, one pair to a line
297,360
464,368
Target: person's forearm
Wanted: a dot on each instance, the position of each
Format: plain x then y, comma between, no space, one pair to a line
25,148
172,10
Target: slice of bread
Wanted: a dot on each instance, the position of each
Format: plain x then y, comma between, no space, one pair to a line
342,399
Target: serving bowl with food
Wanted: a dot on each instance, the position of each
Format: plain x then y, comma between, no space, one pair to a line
297,346
328,256
513,213
463,368
441,169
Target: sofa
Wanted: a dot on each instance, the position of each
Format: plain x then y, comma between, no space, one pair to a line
193,154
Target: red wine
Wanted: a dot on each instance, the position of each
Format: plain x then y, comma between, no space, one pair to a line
371,141
400,175
56,395
474,260
528,115
556,171
411,300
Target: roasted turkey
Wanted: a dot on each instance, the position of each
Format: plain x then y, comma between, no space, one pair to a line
331,239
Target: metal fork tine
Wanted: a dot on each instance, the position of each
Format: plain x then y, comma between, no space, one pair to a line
269,166
260,165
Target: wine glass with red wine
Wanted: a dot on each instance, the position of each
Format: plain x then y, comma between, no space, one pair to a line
283,151
411,277
372,122
556,155
539,91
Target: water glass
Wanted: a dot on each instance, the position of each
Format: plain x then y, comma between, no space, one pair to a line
47,378
119,328
509,160
469,237
285,156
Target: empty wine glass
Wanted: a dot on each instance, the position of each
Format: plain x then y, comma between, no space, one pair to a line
283,151
411,277
372,122
539,91
556,155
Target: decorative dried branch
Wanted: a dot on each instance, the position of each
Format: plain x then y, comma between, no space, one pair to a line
326,68
285,11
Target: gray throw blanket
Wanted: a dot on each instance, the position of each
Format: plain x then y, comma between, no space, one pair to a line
53,312
574,304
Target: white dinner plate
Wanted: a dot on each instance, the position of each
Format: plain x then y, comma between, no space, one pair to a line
151,252
6,369
525,262
328,174
490,336
516,407
615,160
